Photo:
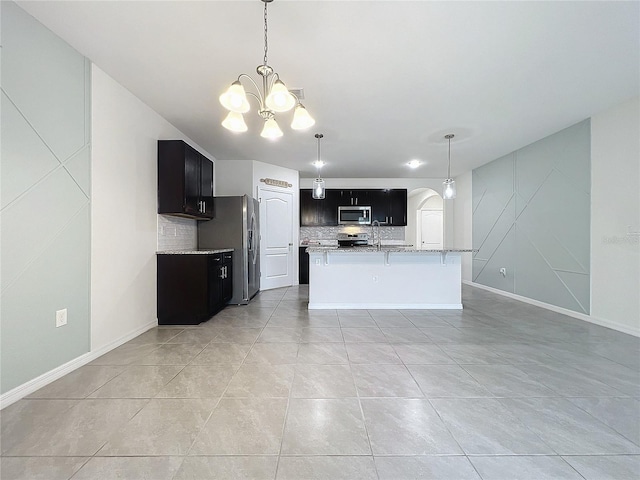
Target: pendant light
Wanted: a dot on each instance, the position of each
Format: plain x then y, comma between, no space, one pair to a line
449,185
274,97
318,183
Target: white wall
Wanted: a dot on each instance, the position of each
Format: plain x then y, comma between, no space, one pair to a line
124,226
615,207
462,216
234,177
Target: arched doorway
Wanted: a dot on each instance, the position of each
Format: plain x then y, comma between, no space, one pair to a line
428,219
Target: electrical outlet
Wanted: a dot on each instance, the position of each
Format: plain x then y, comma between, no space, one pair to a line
61,317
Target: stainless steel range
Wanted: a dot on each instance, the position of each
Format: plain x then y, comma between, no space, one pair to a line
353,239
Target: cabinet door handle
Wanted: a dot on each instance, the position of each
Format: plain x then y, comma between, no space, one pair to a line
356,200
391,220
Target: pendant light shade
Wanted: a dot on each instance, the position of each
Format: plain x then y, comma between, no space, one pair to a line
449,189
279,99
318,189
301,118
318,184
235,122
271,129
235,98
449,185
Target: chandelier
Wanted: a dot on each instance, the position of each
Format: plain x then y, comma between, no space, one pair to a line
449,185
273,98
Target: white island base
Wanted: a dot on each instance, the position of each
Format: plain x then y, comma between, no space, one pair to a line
387,279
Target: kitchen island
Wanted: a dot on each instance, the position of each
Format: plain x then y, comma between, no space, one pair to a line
385,278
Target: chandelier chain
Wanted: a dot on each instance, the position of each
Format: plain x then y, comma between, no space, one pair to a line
266,45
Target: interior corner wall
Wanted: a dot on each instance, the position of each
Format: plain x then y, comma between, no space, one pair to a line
45,212
124,233
615,217
531,216
462,221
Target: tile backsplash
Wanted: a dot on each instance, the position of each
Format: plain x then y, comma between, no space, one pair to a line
176,233
328,235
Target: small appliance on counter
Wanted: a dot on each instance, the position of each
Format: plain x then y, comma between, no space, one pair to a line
353,239
236,225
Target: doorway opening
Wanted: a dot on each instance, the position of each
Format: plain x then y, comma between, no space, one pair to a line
429,214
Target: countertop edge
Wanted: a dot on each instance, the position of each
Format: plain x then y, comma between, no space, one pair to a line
194,252
389,249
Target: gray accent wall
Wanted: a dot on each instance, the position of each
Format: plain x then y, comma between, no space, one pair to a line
531,215
45,199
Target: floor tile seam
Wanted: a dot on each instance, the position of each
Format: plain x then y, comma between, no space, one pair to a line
362,416
446,427
556,394
522,423
525,424
286,412
610,427
616,392
81,467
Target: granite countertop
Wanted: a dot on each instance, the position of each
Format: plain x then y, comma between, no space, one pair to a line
194,252
386,249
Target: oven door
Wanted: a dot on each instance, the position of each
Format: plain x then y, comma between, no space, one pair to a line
354,215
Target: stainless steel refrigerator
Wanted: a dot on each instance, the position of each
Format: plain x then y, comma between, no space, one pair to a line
236,225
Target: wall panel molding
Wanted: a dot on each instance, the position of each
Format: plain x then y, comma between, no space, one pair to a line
531,215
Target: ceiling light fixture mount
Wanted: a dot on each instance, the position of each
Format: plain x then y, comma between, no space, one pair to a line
449,185
318,184
273,98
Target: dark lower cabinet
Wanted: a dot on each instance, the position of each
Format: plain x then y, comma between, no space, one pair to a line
192,287
303,266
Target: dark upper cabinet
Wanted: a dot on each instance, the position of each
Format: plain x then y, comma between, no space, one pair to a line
319,213
328,208
185,181
398,207
355,197
388,206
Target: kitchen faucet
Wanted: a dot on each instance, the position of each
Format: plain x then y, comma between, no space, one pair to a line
374,224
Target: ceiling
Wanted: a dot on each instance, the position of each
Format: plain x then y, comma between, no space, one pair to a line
385,80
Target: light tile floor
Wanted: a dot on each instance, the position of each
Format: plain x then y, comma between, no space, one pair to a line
500,390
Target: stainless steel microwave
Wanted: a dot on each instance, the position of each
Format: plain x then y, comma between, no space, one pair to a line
354,215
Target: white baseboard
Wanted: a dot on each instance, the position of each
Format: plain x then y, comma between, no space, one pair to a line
37,383
580,316
385,306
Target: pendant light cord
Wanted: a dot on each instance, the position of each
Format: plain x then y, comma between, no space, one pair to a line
449,167
318,136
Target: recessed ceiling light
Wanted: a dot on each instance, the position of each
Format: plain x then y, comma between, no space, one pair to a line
318,164
414,163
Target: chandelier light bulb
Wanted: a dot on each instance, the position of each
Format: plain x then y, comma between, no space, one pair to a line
235,98
279,98
271,94
271,129
301,118
235,122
